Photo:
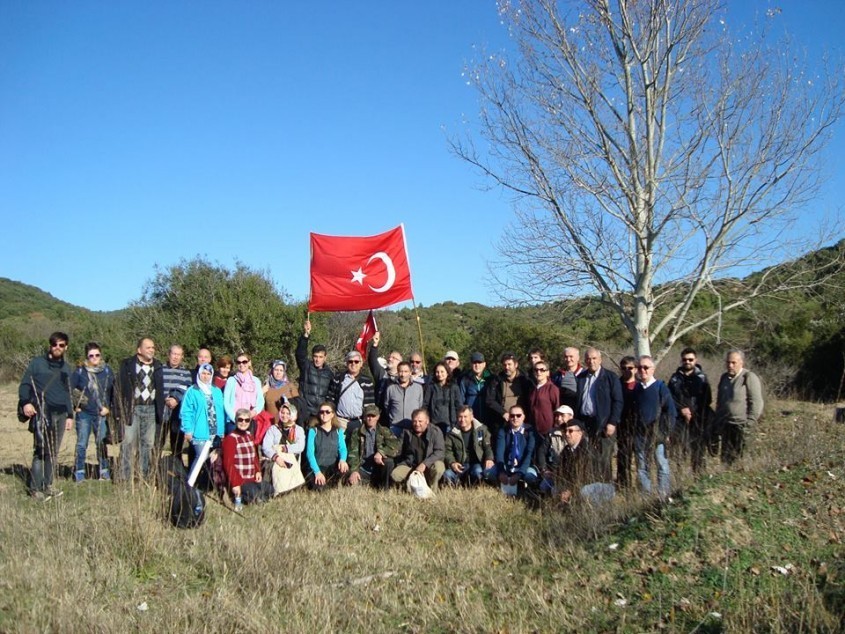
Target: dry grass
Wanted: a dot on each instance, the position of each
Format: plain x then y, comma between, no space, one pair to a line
467,561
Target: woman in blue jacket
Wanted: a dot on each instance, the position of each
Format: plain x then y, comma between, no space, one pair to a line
202,412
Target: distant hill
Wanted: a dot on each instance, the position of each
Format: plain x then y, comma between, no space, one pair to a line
22,300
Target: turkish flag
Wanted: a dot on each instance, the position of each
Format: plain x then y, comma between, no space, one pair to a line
367,333
359,273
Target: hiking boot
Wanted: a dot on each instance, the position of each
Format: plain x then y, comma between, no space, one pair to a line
38,496
52,492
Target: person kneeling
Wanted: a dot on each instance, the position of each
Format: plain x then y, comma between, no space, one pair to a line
282,446
372,451
240,462
325,449
514,453
423,451
469,452
578,470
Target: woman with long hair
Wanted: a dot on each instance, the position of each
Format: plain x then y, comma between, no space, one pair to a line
442,398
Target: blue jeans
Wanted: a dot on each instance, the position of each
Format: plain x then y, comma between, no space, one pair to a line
87,424
529,476
472,474
642,450
46,441
141,432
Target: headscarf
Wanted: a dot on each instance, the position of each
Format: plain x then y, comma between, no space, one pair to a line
271,381
205,386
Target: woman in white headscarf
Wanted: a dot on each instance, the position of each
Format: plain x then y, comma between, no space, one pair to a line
202,412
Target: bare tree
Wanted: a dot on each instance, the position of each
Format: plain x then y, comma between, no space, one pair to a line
651,153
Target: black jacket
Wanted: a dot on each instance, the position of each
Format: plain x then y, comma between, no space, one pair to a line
314,382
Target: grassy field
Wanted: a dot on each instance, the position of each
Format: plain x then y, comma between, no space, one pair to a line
758,548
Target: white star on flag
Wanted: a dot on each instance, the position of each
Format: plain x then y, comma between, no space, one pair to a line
358,276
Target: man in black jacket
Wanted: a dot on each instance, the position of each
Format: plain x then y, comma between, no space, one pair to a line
44,400
315,375
693,397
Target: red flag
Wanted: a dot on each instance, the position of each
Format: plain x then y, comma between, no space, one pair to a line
366,334
359,273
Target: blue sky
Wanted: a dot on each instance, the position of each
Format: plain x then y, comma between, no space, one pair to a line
134,134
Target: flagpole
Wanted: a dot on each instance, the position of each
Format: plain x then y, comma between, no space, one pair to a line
419,330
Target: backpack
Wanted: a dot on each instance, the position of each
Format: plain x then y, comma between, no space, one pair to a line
183,504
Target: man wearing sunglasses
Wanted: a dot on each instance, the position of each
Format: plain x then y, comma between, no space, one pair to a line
655,418
44,401
350,392
693,396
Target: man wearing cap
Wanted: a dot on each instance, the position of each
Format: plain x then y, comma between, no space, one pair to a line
550,447
576,475
469,451
472,386
372,452
351,392
453,363
402,398
315,376
422,450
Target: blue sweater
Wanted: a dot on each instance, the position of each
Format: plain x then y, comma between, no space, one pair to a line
654,404
195,413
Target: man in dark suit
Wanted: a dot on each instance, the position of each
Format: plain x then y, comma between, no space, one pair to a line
599,406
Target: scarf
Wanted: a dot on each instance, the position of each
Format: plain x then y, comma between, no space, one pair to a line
245,396
516,446
94,384
273,383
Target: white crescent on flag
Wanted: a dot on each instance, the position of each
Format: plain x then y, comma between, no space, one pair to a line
391,271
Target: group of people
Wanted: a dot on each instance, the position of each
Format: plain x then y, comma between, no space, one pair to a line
553,430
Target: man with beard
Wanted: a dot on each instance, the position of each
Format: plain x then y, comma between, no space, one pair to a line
44,399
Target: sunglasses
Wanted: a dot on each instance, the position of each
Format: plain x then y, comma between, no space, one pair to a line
243,420
242,361
517,415
60,344
353,362
94,355
645,367
325,412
